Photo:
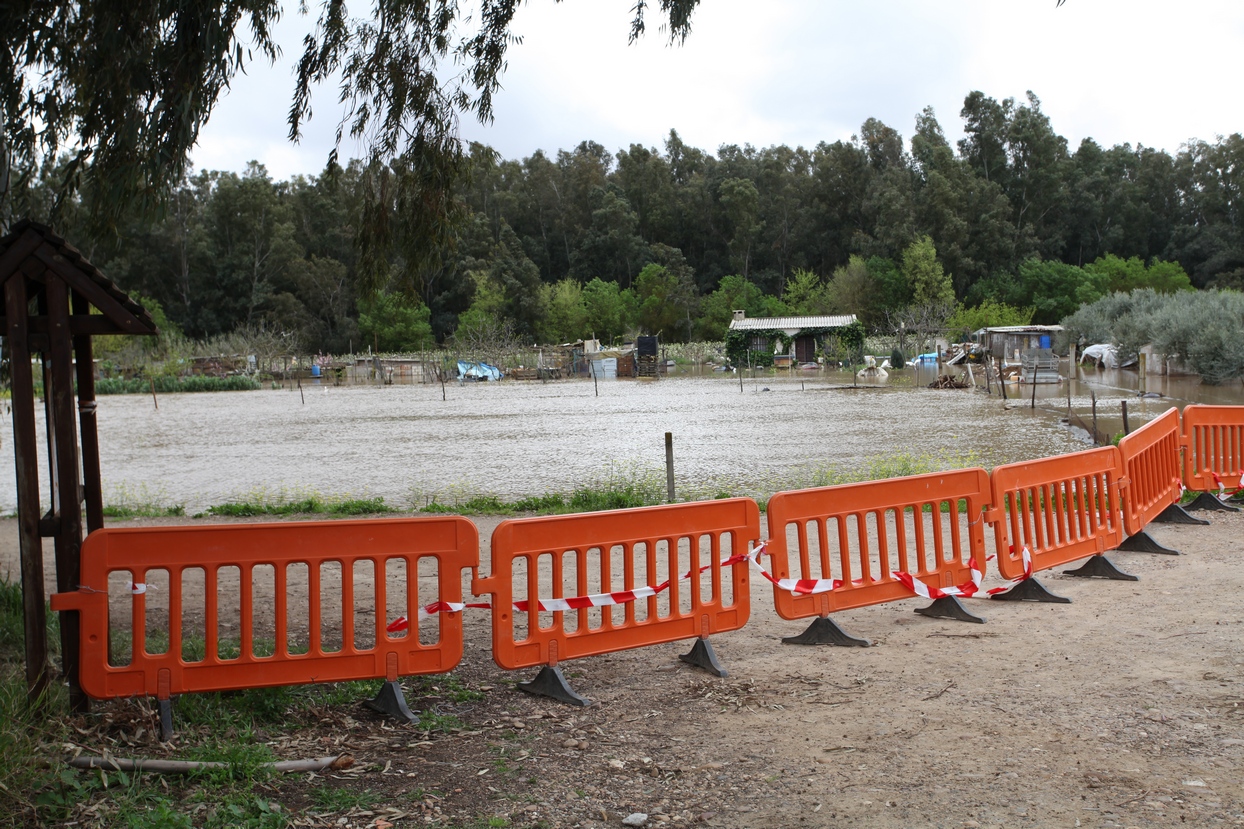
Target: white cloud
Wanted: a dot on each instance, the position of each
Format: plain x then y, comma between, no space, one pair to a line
801,71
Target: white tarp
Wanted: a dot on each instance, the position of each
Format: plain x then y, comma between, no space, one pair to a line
1103,353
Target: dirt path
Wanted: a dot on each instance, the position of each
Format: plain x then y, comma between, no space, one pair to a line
1121,709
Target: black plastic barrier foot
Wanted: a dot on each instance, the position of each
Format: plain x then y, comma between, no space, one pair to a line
949,607
1142,542
550,683
165,707
1209,501
702,656
1100,567
1030,590
825,631
391,702
1175,514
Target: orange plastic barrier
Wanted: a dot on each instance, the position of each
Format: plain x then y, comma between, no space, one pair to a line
237,615
1150,458
1213,441
591,555
1059,509
860,534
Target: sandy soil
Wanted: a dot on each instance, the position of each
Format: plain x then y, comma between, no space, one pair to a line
1121,709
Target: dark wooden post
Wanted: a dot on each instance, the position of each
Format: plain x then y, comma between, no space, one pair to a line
25,443
67,505
92,476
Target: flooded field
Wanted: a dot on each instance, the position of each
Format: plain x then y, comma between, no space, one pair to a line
517,438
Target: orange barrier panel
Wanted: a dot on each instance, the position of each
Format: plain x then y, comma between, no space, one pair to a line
1213,441
861,534
545,561
1059,510
1152,468
225,607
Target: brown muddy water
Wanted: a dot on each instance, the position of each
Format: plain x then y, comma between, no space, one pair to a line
513,439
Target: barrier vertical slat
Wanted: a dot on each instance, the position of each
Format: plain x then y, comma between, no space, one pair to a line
211,623
315,624
246,591
174,612
1150,457
280,584
900,525
379,580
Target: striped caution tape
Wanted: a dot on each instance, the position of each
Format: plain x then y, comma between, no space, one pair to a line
810,587
801,587
563,604
965,590
1027,574
1222,487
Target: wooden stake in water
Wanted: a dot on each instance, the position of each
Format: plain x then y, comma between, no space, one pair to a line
1127,429
1034,384
153,394
591,365
1093,395
301,393
669,467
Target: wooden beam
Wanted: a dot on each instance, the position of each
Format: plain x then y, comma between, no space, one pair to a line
69,501
11,260
25,443
96,295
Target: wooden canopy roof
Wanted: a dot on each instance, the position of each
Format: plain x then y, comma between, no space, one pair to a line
37,253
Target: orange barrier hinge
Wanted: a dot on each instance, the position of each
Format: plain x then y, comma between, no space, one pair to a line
481,586
1124,482
71,600
992,515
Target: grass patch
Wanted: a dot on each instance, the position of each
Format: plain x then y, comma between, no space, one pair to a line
130,501
306,506
332,799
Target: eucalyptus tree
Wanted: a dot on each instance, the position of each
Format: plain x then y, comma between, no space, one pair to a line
126,87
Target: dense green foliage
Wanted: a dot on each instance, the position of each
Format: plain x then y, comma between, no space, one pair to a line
165,384
554,248
1201,329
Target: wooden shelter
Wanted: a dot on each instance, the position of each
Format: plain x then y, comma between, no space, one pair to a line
49,292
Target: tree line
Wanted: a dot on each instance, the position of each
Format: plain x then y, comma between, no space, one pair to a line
1009,223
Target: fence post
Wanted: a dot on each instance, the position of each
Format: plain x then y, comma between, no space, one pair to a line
669,466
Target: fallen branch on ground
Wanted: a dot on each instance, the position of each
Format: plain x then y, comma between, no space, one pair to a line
340,761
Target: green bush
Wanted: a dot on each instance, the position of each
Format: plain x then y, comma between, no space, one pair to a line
168,385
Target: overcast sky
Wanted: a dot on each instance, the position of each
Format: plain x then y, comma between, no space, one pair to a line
798,72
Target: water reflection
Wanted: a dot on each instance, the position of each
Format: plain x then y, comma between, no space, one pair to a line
748,436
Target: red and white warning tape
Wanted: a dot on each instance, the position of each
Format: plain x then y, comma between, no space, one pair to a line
1222,487
564,604
810,587
1027,574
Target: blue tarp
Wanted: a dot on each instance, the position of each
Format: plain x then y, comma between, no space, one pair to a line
931,357
478,371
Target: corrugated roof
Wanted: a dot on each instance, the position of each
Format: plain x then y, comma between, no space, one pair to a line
783,323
